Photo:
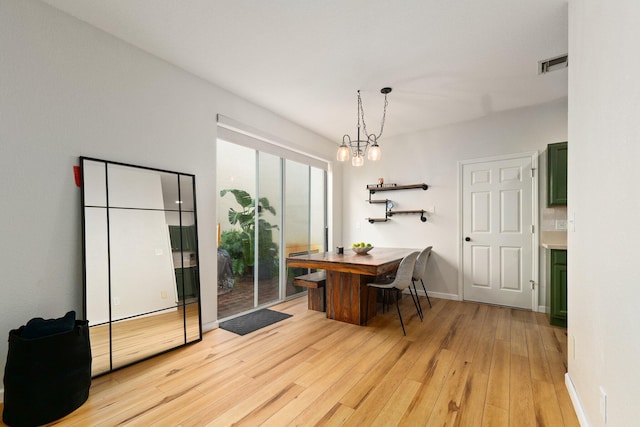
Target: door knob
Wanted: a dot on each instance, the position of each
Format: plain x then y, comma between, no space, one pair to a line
467,239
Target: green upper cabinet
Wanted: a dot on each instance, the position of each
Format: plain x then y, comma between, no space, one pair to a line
557,174
188,238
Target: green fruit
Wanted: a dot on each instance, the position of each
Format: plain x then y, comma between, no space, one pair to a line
368,245
362,244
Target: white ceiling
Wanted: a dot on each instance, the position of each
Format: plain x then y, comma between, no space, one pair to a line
446,60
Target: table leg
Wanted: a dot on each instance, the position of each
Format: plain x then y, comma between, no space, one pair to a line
347,297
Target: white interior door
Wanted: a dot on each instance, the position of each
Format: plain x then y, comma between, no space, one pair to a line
498,224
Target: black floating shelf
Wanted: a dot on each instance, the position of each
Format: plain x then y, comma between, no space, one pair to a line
381,185
392,187
372,220
377,200
420,211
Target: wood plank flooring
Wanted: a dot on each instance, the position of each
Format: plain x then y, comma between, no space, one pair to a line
136,338
466,364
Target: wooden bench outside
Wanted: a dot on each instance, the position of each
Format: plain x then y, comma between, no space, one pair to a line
316,283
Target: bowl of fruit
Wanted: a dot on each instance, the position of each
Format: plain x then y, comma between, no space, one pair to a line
361,248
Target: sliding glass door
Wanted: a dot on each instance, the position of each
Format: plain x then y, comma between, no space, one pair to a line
269,228
261,198
305,214
236,228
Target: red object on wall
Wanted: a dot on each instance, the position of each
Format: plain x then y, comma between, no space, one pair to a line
76,175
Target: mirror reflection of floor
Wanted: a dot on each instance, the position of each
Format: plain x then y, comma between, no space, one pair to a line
141,337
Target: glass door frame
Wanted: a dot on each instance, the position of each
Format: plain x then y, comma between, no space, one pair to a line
282,223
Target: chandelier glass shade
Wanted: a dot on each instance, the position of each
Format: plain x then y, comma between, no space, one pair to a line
368,145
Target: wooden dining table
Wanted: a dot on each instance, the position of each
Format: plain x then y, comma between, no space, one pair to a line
348,298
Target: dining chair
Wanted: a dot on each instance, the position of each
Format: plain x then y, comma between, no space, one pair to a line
401,282
419,272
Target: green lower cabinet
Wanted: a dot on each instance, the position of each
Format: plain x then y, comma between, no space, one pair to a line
558,288
187,282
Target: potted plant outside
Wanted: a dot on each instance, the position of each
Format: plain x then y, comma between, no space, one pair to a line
245,238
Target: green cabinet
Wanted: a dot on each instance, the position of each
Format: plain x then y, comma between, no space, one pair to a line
557,174
188,234
558,288
186,281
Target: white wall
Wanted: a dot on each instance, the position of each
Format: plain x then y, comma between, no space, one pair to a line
68,89
604,150
431,157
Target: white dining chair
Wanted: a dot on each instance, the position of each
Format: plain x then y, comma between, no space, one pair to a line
401,282
419,272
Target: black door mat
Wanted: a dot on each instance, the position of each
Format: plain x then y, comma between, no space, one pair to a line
248,323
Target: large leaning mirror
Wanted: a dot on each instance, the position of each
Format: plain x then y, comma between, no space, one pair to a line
141,282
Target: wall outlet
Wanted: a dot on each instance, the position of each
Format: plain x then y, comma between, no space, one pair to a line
561,224
163,294
603,404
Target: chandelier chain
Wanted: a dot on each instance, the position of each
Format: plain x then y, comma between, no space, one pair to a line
364,125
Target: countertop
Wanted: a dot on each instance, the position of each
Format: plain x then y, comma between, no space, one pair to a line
553,239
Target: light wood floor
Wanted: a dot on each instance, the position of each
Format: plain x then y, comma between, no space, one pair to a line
466,364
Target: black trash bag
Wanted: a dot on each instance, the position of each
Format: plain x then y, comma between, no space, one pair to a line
225,271
48,375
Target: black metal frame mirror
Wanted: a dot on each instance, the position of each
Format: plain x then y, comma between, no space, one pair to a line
140,262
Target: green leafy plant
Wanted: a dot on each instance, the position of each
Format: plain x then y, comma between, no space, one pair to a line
245,218
231,241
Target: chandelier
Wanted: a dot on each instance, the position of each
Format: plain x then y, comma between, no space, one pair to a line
369,144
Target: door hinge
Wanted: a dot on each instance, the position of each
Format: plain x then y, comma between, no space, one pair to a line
532,229
533,285
533,172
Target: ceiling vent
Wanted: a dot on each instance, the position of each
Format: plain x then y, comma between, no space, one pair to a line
553,64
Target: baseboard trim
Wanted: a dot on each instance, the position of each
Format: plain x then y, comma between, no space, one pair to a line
542,309
440,295
210,326
577,406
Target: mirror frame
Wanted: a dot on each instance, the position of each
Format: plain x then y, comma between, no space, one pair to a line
181,306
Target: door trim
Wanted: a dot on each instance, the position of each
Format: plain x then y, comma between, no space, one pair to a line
535,251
